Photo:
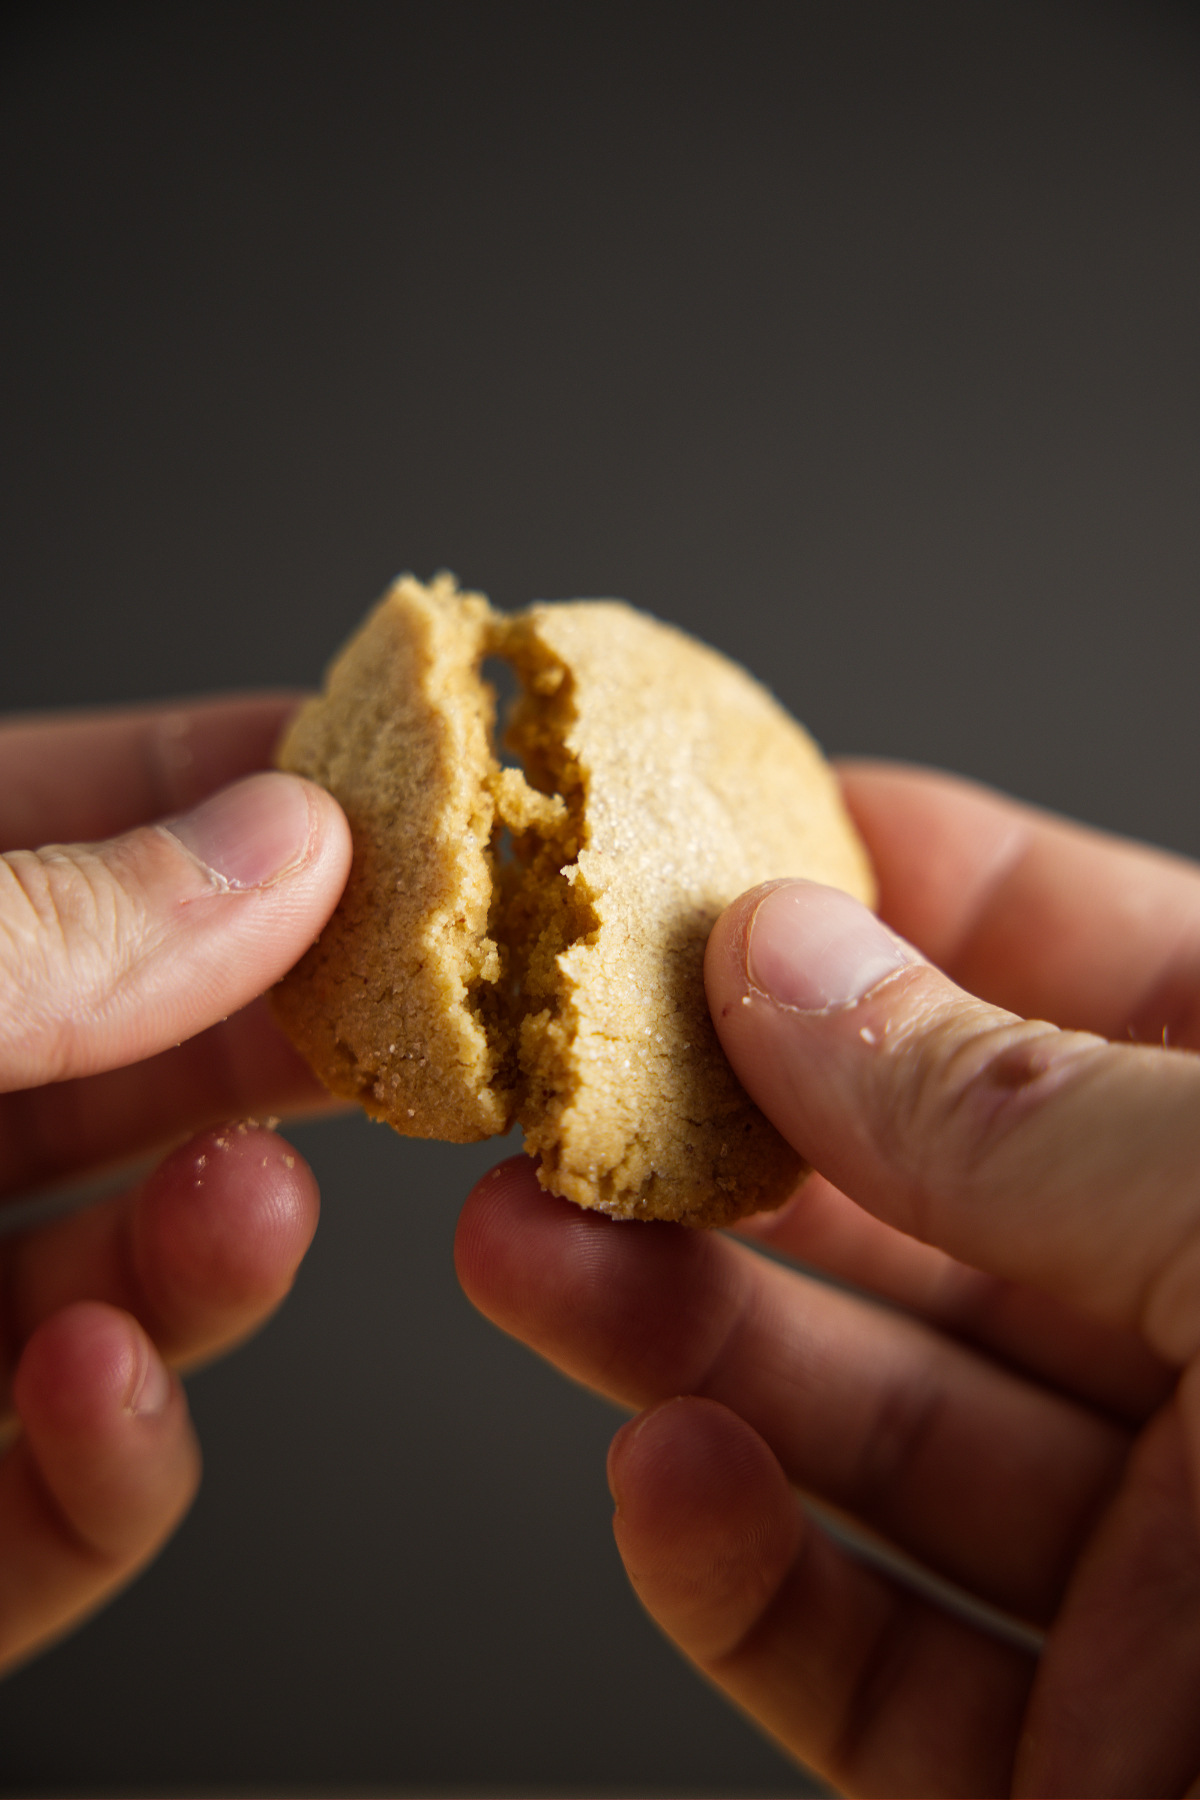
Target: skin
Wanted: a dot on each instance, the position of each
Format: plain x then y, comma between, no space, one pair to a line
130,1027
1020,1417
1003,1385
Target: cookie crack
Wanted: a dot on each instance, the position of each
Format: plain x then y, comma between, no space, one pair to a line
541,906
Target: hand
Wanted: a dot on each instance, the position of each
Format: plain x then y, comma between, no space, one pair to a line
1022,1415
121,965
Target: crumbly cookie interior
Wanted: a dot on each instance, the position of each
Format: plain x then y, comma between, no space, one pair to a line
538,909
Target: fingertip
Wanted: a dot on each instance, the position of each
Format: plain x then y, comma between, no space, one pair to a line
152,1387
654,1457
512,1181
82,1368
115,951
690,1458
262,830
808,947
107,1428
606,1300
706,1523
527,1258
218,1233
786,966
503,1204
332,845
619,1451
725,953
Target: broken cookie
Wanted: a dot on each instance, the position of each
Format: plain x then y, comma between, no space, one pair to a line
527,943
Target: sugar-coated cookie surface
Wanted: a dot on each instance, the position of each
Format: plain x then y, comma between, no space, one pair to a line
456,990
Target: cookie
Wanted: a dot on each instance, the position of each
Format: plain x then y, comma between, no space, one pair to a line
527,943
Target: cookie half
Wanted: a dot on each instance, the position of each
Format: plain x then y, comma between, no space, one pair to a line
527,943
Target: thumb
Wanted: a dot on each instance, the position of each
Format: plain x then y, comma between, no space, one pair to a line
1043,1156
111,952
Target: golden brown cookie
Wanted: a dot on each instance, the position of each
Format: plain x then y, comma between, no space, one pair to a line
459,988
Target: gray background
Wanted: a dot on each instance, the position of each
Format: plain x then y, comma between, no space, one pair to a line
860,339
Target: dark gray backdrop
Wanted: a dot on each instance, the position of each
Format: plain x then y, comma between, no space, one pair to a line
860,339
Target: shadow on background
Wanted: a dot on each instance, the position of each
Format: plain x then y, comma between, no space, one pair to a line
859,339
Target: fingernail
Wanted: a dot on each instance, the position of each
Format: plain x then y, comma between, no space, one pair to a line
150,1388
249,834
814,947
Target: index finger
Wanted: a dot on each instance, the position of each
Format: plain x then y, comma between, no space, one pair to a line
77,777
1033,913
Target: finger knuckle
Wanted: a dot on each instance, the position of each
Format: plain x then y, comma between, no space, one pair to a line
907,1417
963,1083
69,919
872,1691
